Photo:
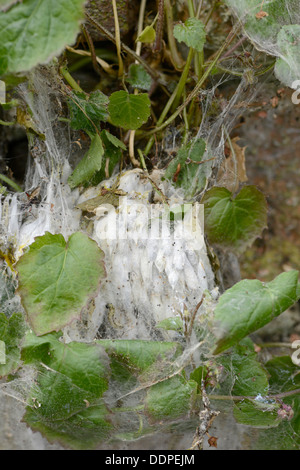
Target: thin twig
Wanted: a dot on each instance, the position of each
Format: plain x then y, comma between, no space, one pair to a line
92,49
159,27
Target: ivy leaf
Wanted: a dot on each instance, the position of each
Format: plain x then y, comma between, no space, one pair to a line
89,165
65,402
35,30
251,304
87,110
129,111
234,223
192,33
57,278
138,77
12,331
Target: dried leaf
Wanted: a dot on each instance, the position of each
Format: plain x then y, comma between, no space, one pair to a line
233,170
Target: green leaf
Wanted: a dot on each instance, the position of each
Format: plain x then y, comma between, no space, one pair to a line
138,77
234,223
12,331
65,402
56,279
251,304
89,165
129,111
261,414
111,157
114,140
250,377
170,399
147,35
35,30
192,33
87,110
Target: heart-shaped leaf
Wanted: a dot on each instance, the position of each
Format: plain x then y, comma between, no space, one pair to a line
251,304
57,278
234,223
129,111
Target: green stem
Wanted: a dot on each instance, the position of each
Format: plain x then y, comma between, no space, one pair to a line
186,123
183,78
11,183
69,79
274,345
161,119
7,123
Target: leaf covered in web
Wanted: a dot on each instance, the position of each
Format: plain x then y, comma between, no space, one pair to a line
86,111
12,331
65,403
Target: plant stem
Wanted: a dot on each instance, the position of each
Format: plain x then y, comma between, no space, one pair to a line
278,396
183,78
11,183
118,38
274,345
68,77
7,123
